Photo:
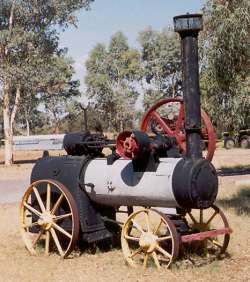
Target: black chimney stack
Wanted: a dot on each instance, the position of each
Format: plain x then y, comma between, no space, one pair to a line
195,182
188,26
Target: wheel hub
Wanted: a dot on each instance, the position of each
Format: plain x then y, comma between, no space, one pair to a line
148,242
46,220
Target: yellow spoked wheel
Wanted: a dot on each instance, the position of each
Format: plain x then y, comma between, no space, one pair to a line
207,220
149,238
49,218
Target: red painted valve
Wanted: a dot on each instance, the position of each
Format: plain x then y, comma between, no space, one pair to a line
174,126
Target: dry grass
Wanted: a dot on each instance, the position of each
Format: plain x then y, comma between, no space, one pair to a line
234,199
17,264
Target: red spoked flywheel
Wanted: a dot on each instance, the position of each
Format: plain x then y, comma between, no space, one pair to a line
173,125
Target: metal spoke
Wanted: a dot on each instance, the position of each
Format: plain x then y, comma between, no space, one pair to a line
48,199
212,217
201,215
156,260
36,212
60,229
145,261
164,238
136,252
47,240
137,226
158,227
216,243
147,220
37,238
161,122
63,216
55,238
179,119
58,202
192,217
40,202
132,238
165,253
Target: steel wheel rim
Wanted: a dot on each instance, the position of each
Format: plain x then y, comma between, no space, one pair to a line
48,221
219,248
149,245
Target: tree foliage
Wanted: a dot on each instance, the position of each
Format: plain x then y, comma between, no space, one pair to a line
112,74
161,64
28,39
226,52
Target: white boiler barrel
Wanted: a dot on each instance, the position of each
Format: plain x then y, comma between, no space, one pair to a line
118,184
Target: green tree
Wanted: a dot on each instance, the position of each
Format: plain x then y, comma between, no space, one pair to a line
161,65
27,39
58,89
112,77
226,60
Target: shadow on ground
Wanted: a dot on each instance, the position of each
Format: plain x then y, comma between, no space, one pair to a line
21,162
240,202
237,170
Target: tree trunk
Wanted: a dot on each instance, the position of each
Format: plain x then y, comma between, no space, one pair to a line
27,127
8,134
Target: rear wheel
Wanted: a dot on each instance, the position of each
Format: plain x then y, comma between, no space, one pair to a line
229,143
245,142
49,218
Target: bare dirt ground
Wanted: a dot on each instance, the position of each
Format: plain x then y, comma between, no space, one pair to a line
17,265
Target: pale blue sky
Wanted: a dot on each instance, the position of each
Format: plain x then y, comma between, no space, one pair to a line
129,16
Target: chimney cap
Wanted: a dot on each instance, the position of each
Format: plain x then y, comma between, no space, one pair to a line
188,22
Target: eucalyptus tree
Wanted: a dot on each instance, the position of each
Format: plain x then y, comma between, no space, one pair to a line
225,82
161,65
58,89
28,37
113,73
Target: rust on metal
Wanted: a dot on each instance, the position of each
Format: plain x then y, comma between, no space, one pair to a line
204,235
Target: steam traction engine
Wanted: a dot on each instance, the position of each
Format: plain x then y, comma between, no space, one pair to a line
77,197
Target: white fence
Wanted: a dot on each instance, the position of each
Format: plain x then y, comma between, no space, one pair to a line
38,142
